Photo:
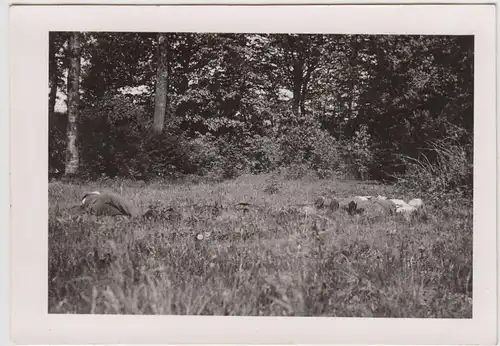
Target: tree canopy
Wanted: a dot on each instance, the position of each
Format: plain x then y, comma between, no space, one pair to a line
238,103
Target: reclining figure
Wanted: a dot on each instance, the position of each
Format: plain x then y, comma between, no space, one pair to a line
359,204
108,204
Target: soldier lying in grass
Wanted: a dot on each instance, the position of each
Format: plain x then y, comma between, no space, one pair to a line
359,204
113,205
108,204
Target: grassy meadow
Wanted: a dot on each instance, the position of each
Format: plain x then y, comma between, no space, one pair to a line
203,253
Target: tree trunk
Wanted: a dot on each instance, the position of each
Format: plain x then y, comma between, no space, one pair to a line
72,158
161,84
52,73
297,89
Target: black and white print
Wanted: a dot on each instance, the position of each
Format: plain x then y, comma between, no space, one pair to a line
260,174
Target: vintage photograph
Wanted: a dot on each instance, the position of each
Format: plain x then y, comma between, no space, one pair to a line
252,174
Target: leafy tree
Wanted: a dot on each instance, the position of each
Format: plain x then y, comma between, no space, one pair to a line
116,61
253,102
295,58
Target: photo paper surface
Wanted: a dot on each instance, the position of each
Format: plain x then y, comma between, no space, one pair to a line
264,172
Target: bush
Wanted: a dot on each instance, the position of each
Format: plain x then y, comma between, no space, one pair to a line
217,158
307,148
446,167
205,154
167,155
358,154
110,137
230,156
57,144
326,155
265,152
116,140
297,143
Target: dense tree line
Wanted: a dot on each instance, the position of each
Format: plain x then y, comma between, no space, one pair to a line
374,106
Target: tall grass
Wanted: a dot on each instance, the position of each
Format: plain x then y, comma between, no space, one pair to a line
210,256
446,169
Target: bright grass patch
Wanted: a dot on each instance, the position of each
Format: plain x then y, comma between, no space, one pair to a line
210,256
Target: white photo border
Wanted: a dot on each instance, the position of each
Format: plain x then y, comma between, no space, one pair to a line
4,175
30,321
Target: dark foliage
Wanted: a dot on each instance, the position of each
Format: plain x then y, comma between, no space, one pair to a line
115,142
357,105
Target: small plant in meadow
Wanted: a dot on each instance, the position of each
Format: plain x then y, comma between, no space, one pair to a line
272,185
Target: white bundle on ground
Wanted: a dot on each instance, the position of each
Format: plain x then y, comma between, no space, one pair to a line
359,204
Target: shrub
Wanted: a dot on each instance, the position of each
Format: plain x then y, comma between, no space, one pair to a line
110,136
218,158
265,153
57,143
326,155
116,140
296,170
446,166
204,154
297,143
167,155
230,156
308,147
233,159
358,154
